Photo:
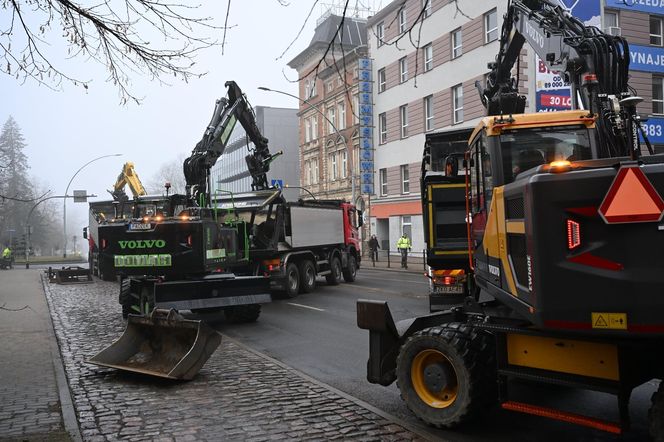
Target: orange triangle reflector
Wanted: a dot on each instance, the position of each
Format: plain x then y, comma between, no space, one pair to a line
631,199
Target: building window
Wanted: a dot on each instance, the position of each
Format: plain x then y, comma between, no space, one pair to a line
428,113
405,179
380,33
308,178
307,130
403,118
402,19
331,121
330,86
610,19
403,70
656,37
657,95
490,26
316,175
407,226
427,52
314,127
383,181
457,103
426,8
456,43
381,80
342,116
334,172
344,163
382,128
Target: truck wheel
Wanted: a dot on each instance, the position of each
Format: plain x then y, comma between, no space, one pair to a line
656,414
447,374
307,276
292,280
334,277
350,272
238,314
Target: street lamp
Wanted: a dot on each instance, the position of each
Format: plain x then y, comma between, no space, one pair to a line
332,125
64,203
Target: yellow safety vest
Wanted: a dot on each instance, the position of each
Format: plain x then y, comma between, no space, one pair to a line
403,243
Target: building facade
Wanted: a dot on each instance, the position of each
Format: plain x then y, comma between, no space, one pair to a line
280,127
427,56
419,88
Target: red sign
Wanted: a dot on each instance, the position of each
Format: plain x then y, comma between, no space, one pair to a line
631,199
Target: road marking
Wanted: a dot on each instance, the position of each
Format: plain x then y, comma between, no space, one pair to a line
306,306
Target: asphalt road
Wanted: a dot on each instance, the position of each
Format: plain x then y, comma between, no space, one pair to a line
317,334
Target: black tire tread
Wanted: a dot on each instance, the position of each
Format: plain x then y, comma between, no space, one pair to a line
239,314
331,278
349,276
476,348
656,415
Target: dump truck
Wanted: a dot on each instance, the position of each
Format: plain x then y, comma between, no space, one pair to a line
295,242
562,215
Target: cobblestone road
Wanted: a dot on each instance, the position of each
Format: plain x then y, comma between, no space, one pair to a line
238,395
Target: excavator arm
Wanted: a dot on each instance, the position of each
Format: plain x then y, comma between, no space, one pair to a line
228,111
128,176
595,64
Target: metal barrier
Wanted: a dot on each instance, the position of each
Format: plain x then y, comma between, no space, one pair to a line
70,275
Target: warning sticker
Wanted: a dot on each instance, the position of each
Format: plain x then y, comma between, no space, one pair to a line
614,321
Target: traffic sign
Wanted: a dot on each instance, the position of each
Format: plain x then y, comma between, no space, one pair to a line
631,198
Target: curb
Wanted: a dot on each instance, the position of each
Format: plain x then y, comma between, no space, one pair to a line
69,418
420,431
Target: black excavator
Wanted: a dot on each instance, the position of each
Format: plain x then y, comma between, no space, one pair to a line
563,227
179,252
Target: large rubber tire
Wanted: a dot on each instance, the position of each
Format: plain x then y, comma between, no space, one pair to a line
447,374
307,276
238,314
656,414
350,272
292,283
334,277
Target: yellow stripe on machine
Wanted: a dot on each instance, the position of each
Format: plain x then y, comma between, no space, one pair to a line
592,359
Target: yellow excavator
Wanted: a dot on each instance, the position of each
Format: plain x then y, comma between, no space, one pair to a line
563,230
129,177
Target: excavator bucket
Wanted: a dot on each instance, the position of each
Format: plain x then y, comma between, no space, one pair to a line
163,344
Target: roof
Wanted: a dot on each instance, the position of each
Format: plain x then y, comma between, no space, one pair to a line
495,124
352,35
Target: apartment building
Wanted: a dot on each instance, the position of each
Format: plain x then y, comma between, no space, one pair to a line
329,138
280,127
426,56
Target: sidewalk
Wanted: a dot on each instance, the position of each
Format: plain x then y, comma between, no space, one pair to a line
415,263
30,368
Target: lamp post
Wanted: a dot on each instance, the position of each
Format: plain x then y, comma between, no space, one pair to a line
64,203
332,125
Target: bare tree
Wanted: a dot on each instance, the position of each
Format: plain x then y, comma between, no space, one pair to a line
170,172
121,35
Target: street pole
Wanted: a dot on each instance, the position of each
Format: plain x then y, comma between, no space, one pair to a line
311,106
64,203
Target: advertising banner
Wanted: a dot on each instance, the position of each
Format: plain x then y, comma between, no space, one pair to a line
654,129
646,58
649,6
552,94
365,131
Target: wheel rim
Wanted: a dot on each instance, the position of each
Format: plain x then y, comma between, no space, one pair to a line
310,276
292,280
337,269
434,378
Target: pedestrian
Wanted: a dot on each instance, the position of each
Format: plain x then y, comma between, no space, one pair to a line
404,246
373,248
7,257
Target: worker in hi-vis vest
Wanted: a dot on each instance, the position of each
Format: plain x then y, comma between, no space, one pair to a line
403,245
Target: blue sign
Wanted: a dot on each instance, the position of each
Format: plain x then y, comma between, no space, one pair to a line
646,58
365,113
654,129
650,6
277,183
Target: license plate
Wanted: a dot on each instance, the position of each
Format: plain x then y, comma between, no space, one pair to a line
445,289
139,226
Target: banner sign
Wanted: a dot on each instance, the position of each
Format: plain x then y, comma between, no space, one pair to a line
366,129
646,58
654,129
650,6
551,91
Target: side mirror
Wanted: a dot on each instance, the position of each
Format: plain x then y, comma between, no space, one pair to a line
360,219
85,233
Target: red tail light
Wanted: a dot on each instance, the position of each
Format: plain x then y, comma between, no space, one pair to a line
448,280
104,244
190,240
573,234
